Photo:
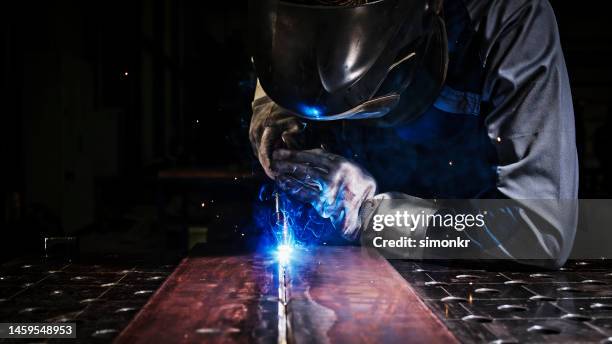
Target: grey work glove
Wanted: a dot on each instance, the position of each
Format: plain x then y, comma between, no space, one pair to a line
336,187
272,127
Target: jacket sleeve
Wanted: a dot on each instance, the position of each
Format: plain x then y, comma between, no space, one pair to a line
530,121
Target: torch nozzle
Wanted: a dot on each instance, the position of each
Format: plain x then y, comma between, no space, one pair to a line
278,212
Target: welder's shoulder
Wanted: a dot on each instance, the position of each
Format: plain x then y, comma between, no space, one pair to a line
496,20
495,14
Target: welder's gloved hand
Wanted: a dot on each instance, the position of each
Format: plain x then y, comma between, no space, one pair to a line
273,127
336,187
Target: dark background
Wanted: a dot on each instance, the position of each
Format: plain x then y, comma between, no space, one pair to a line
124,123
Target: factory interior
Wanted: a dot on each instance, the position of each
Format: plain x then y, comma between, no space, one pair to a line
131,196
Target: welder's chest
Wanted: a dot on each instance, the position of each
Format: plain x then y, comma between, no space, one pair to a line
441,155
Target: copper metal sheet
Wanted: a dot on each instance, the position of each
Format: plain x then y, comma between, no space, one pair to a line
353,295
212,300
327,294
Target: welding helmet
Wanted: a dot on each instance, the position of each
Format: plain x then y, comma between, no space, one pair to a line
349,59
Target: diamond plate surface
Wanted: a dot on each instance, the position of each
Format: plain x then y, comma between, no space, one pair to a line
101,298
572,305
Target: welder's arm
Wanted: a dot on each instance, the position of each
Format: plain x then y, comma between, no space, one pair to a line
530,121
271,127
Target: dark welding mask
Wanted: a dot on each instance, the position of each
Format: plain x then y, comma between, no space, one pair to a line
349,59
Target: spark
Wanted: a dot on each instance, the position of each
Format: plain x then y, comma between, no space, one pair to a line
291,225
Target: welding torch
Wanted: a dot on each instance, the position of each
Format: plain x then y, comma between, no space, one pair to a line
313,135
281,219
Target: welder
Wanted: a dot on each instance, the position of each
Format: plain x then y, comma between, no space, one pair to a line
424,100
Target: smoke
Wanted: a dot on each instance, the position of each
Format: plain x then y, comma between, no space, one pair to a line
307,228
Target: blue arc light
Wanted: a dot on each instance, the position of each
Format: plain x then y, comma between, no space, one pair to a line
311,111
283,254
